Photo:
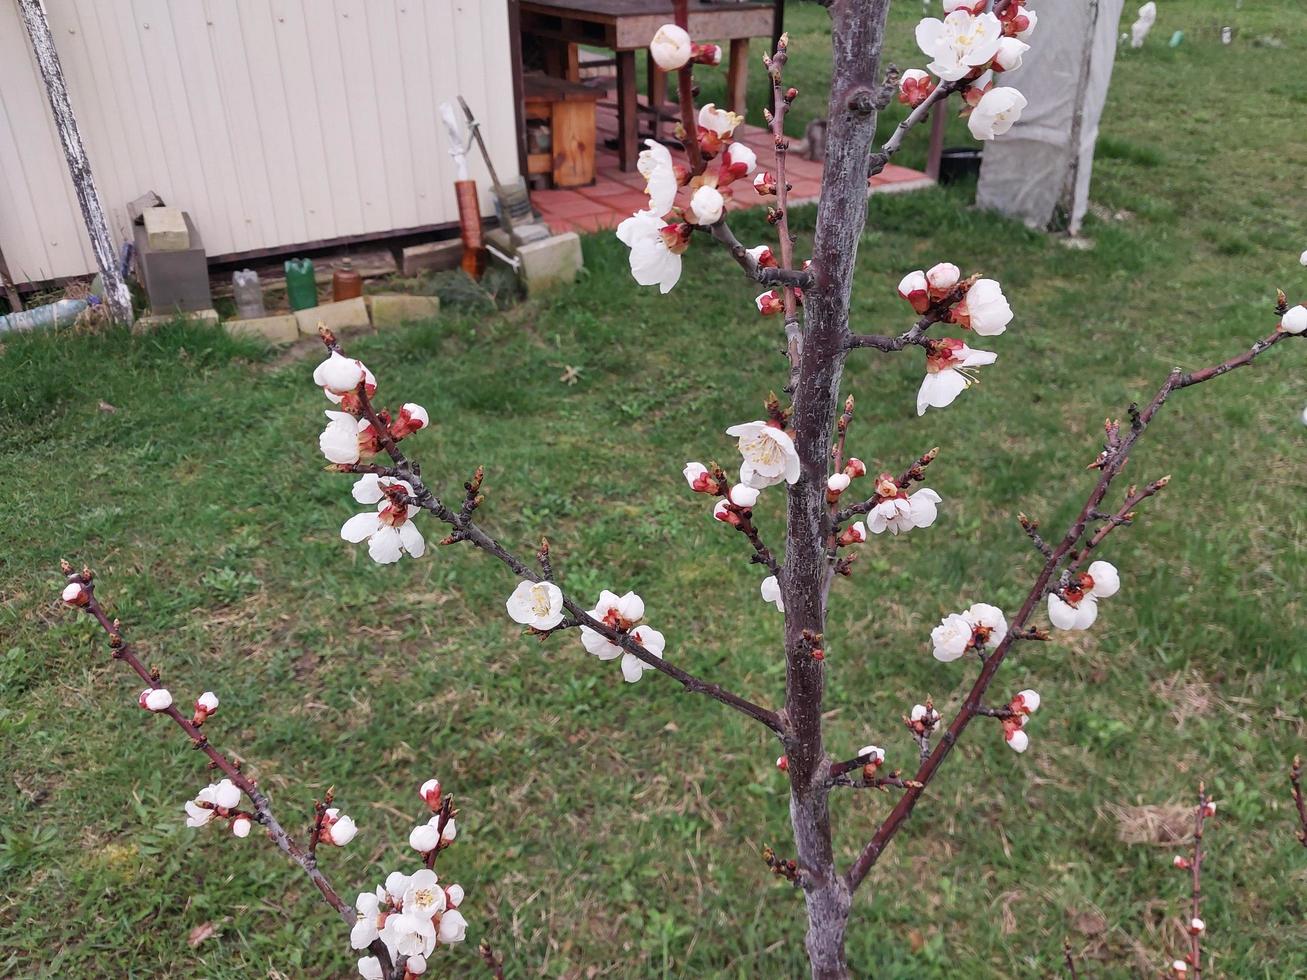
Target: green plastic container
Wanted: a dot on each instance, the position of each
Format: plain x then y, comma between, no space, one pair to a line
301,287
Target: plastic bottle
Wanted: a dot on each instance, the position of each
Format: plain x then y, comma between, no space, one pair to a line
249,294
301,287
345,282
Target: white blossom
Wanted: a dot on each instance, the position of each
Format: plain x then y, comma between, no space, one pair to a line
339,375
671,47
707,205
453,896
424,896
769,454
875,754
1072,616
1017,740
207,702
942,277
155,699
996,112
656,166
950,638
1295,320
1107,581
409,934
744,496
1008,55
424,838
339,441
75,594
241,826
946,374
453,928
368,909
390,531
983,616
1031,19
223,793
720,122
838,482
416,965
984,309
771,592
1029,701
339,828
903,512
652,261
369,967
536,604
959,43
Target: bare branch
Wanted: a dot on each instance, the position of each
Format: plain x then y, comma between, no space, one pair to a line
1295,781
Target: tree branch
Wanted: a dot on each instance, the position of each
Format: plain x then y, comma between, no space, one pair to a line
306,859
465,529
1295,781
1111,464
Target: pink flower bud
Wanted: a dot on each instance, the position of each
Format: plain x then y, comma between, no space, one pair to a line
915,87
449,831
453,896
744,496
738,161
338,828
855,467
1017,740
241,826
155,699
1209,808
770,302
762,255
1181,862
941,278
765,182
699,479
1027,702
76,594
430,793
855,533
838,483
207,702
722,512
1196,926
782,763
874,755
706,54
1180,968
412,418
913,289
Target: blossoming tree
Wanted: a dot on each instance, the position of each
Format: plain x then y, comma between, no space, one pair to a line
797,455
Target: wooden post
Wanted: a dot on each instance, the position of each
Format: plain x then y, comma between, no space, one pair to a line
116,296
737,76
938,120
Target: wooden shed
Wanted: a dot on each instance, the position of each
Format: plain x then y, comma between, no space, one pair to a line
275,123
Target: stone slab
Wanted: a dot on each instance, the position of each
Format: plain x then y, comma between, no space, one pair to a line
344,315
165,229
550,263
283,329
392,309
432,257
160,319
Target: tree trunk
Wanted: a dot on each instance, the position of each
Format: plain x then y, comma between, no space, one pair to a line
857,30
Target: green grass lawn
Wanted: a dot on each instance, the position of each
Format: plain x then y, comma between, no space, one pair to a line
611,830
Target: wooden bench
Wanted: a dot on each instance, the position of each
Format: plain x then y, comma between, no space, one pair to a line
569,110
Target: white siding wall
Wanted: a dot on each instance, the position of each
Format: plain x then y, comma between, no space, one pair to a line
274,122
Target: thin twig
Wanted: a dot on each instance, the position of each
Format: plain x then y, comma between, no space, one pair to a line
124,651
465,529
1114,461
1295,781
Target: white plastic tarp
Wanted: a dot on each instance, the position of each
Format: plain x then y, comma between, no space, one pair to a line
1027,173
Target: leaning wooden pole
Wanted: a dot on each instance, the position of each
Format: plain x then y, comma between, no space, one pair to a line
116,296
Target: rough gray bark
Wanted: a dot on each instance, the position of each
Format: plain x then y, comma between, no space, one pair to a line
857,30
116,296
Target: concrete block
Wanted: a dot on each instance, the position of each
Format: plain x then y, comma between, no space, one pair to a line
392,309
136,209
334,316
432,257
174,280
147,323
165,229
275,329
550,263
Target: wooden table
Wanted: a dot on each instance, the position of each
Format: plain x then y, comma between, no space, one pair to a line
627,26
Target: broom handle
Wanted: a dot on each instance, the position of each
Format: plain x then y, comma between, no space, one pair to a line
494,178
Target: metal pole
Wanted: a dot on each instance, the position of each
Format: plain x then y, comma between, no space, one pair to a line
116,297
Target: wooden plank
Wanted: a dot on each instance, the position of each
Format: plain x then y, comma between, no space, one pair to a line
627,120
737,76
721,23
573,135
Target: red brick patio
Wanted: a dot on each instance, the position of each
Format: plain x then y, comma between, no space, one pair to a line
615,195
